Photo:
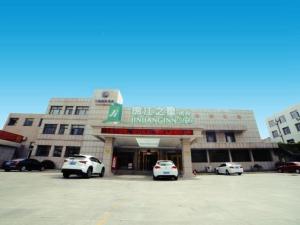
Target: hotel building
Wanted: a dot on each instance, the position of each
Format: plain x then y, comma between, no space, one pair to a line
131,139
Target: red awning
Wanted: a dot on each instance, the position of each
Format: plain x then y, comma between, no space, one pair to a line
7,136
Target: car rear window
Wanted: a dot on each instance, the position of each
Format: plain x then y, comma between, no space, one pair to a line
165,163
78,157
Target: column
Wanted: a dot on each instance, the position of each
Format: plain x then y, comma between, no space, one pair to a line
207,156
107,155
187,159
51,151
251,155
230,156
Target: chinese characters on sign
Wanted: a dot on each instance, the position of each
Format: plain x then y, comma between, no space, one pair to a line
161,116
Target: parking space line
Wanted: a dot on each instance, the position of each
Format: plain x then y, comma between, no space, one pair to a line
107,214
104,218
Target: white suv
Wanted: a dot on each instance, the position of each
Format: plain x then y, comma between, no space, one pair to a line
84,165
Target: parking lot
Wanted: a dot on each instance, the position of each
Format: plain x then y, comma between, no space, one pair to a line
37,198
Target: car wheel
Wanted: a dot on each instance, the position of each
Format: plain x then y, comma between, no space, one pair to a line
298,171
240,174
66,175
23,168
102,173
227,172
88,173
176,178
154,177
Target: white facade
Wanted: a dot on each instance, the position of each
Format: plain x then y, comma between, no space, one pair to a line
285,126
72,125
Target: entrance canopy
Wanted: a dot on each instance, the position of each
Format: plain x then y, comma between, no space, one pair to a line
146,137
147,142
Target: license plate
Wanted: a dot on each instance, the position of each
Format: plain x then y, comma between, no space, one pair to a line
72,163
166,172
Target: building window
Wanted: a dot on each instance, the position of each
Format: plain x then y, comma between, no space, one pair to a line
43,150
77,129
69,110
240,155
275,133
81,110
297,126
218,155
40,123
62,128
12,121
272,123
55,110
211,136
282,119
230,137
57,151
199,156
286,130
261,155
295,114
49,129
28,122
72,150
290,141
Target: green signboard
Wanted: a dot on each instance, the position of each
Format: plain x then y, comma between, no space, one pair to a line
161,116
114,113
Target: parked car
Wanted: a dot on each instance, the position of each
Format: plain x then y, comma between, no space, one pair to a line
48,164
165,169
229,168
3,164
289,167
83,165
23,164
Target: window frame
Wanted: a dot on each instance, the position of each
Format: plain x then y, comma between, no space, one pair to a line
77,127
58,109
68,110
297,125
55,149
277,133
286,130
295,114
49,124
66,127
16,119
80,109
231,135
43,155
28,124
67,154
214,136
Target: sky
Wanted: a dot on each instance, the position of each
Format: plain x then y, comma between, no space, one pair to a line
212,54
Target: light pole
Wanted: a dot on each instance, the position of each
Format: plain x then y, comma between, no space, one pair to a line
277,120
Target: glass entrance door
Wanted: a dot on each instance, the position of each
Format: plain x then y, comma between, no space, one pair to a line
148,159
